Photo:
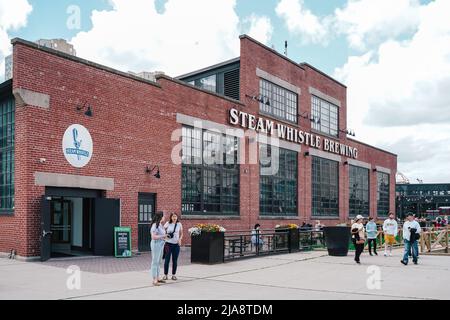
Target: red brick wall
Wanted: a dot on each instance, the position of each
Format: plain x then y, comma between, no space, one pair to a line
131,129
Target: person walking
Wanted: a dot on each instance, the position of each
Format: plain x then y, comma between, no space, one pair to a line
158,236
174,231
372,233
411,233
390,229
358,237
256,239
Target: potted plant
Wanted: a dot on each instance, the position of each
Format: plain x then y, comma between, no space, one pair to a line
207,243
293,235
337,239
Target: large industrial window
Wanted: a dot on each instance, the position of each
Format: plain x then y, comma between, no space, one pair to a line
278,101
7,108
327,113
210,173
278,181
325,187
383,194
359,191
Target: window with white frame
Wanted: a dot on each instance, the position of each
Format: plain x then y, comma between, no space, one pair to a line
278,101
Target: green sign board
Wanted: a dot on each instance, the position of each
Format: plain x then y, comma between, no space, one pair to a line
122,242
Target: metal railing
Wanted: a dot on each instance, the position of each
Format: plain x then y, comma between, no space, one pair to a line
247,243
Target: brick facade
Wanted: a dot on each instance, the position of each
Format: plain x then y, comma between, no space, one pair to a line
132,126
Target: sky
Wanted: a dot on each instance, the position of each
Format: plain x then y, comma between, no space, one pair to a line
393,55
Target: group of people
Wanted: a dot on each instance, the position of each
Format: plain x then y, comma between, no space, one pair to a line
369,232
165,244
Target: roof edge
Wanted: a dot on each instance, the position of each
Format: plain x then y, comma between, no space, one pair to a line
82,61
323,73
245,36
368,145
212,67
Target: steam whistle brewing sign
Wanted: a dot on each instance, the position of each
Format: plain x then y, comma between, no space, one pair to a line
77,145
284,132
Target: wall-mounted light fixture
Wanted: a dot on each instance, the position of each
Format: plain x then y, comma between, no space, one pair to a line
374,170
88,108
348,132
260,98
157,175
346,163
306,154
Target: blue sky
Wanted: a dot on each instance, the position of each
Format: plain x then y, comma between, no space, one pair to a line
393,55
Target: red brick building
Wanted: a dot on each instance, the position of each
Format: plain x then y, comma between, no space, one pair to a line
221,112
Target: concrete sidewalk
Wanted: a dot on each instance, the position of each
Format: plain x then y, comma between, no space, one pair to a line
309,275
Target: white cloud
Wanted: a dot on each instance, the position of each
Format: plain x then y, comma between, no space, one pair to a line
302,21
260,28
12,17
185,36
399,97
367,21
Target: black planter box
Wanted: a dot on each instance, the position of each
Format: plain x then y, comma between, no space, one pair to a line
337,240
293,239
207,248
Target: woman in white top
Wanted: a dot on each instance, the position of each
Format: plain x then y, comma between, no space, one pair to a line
174,230
358,237
158,236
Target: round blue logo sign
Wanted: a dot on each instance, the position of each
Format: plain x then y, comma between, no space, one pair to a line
77,145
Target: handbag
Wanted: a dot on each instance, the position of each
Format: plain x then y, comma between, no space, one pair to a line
362,241
166,250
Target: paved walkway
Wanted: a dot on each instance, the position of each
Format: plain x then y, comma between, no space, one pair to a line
310,275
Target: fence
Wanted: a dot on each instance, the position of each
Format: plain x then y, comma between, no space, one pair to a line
434,239
244,244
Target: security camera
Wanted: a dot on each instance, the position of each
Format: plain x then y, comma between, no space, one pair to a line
42,160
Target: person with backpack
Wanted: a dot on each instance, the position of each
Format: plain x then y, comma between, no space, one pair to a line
411,233
174,230
158,236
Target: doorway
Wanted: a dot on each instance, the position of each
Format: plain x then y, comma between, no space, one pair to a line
77,222
71,226
146,210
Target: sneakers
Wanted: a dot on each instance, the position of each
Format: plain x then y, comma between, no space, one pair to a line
165,277
174,278
385,254
390,254
376,253
403,262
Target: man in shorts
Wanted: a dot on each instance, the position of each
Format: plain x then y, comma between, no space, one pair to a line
390,229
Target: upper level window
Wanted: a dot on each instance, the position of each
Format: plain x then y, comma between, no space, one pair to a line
208,83
278,101
7,108
328,114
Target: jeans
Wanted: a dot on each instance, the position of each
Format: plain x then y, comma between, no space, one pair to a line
157,247
174,251
408,247
369,244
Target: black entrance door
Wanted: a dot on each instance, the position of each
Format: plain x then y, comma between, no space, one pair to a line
146,210
46,234
106,217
